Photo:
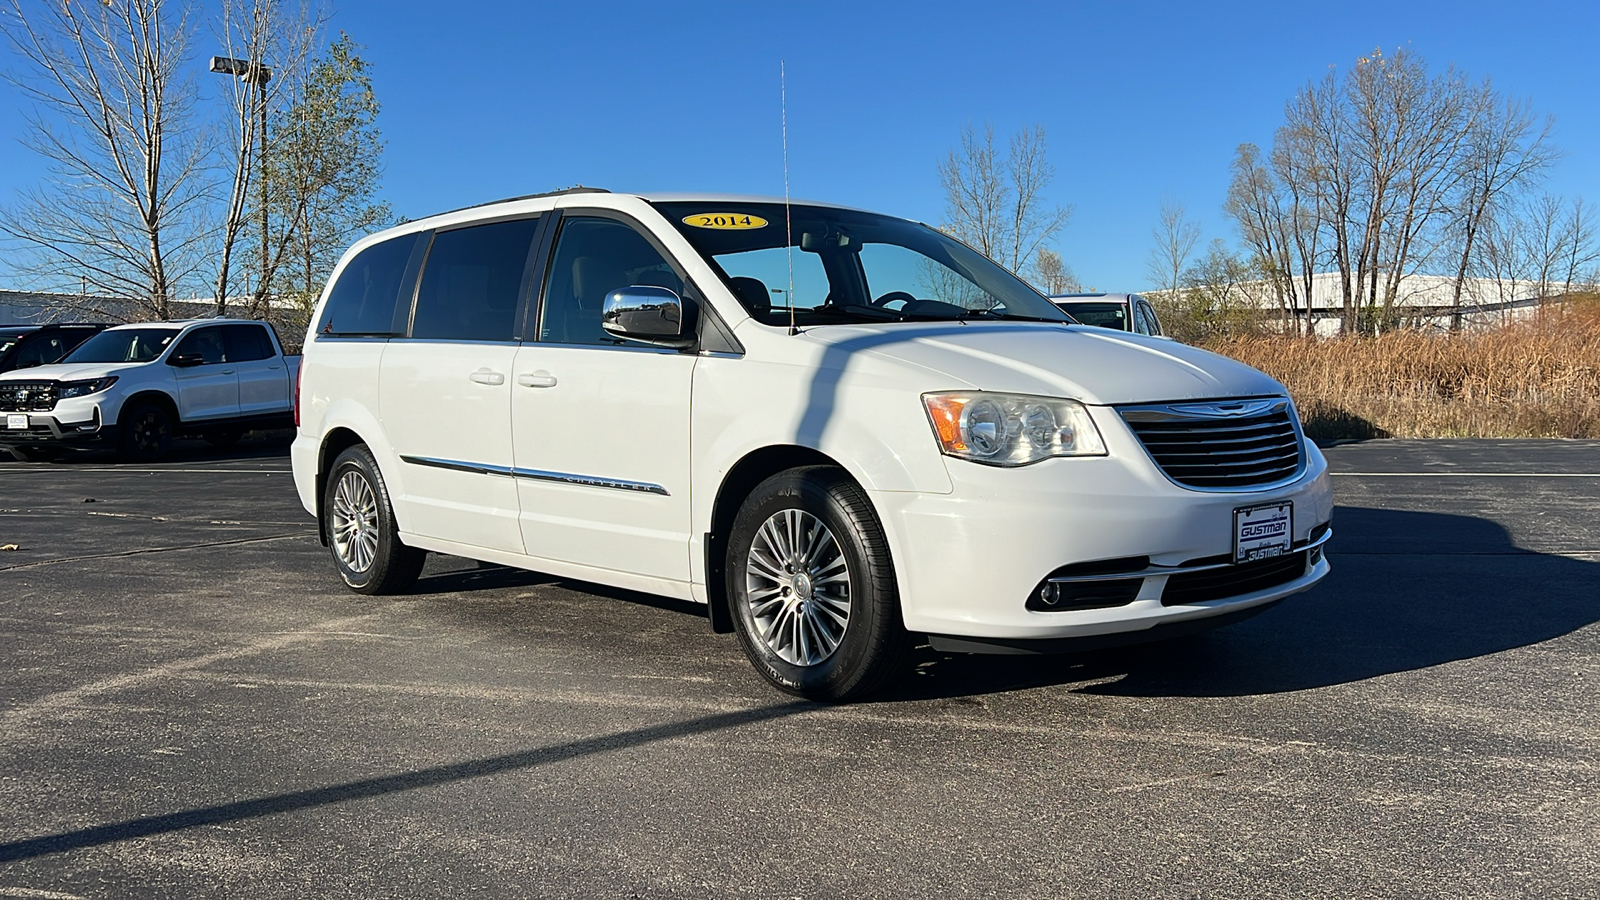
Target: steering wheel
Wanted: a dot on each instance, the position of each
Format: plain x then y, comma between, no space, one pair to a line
892,296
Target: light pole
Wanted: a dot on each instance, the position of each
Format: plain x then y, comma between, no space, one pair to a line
256,76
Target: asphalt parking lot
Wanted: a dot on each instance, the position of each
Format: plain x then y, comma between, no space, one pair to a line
192,706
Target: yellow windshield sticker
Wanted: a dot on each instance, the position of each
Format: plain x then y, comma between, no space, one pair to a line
725,221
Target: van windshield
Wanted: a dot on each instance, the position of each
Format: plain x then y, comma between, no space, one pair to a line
849,266
123,345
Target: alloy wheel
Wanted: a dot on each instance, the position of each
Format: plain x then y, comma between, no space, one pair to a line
355,522
797,587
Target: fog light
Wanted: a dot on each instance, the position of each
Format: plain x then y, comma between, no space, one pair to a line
1315,555
1049,594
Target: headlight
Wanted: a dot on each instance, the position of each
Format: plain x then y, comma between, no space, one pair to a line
79,388
1011,429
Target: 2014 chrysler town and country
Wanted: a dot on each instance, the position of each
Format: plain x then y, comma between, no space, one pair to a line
838,429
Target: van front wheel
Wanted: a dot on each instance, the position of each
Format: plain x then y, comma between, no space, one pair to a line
812,586
358,522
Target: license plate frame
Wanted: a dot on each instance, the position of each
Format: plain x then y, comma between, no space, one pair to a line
1263,531
16,421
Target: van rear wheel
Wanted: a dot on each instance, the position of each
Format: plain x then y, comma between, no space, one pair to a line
359,525
812,586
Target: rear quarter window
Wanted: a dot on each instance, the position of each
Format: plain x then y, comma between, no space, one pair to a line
363,300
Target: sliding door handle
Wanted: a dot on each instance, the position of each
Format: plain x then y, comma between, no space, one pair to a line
540,378
484,376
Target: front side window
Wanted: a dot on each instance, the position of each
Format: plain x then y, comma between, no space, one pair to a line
472,281
849,266
362,302
123,345
595,256
206,343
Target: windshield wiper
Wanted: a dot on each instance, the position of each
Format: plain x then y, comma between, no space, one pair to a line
1015,317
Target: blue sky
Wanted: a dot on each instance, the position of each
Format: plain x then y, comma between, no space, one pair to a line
1141,102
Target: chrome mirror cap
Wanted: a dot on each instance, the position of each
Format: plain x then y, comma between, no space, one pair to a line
644,313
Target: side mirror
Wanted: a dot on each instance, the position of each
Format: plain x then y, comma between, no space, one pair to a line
643,313
186,360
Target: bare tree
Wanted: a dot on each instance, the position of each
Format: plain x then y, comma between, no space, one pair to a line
1219,297
1540,247
1583,250
119,215
997,205
1174,237
1381,171
1506,149
1052,275
1279,231
272,39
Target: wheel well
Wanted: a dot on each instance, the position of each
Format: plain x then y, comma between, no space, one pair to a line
334,443
154,397
754,468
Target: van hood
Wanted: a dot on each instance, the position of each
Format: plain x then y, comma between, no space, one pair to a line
1093,365
69,371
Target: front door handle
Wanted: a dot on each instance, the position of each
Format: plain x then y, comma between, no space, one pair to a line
540,378
484,376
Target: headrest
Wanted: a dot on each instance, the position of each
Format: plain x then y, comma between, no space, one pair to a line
752,292
592,278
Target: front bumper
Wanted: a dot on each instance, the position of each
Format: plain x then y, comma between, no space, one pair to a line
968,561
45,430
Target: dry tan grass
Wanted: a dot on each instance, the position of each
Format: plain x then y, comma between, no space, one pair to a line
1536,378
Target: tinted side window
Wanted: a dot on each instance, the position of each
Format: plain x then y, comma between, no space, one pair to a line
205,341
246,342
594,257
363,300
471,282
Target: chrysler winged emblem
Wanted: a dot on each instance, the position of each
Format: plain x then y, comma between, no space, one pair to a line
1228,409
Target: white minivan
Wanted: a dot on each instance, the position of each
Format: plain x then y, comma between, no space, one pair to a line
843,432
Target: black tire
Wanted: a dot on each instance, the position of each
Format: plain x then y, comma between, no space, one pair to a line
146,433
224,438
370,558
873,640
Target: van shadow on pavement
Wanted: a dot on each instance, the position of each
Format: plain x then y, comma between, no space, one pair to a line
1408,590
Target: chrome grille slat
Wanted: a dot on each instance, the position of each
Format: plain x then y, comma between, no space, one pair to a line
1221,445
1221,437
1214,455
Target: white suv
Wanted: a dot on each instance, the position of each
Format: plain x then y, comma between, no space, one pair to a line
836,429
135,387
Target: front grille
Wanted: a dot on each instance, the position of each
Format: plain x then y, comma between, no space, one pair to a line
1221,445
1233,581
27,396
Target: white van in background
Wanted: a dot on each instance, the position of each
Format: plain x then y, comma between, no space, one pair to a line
840,431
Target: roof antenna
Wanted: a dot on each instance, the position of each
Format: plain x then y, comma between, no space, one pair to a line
788,221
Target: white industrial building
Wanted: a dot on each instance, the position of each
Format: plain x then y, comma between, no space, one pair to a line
1425,301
